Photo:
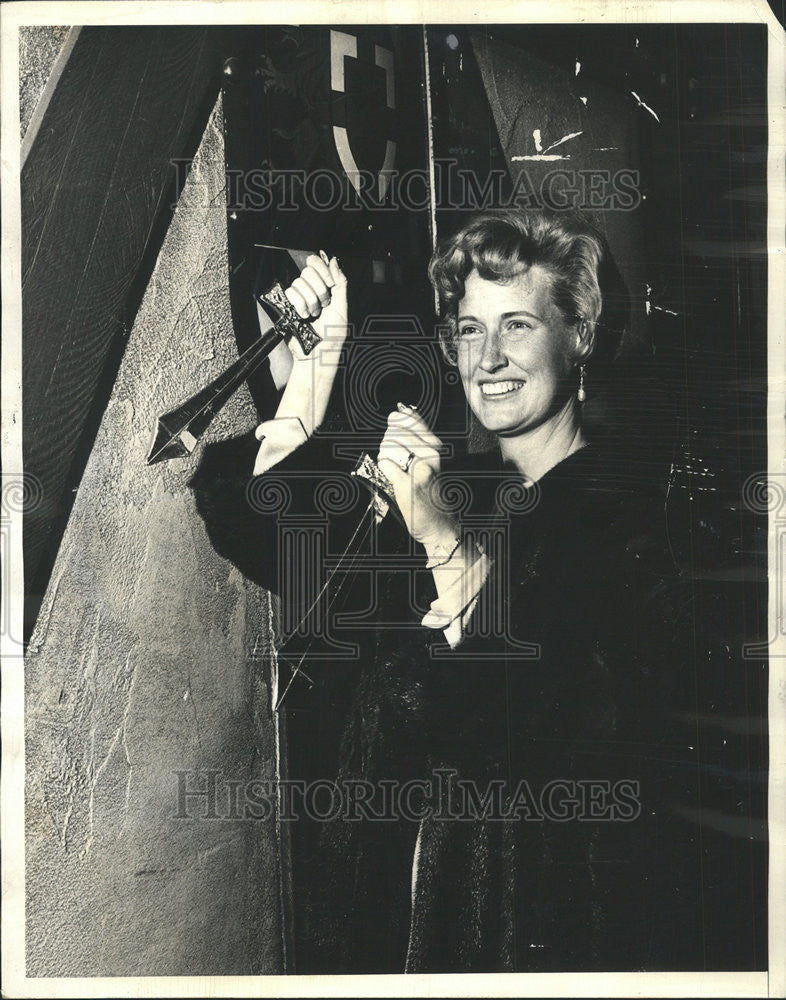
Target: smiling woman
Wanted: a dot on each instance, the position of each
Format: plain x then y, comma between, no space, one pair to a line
548,662
522,299
522,306
564,662
516,351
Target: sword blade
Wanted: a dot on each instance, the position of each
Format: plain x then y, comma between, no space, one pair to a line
383,501
346,562
178,431
299,256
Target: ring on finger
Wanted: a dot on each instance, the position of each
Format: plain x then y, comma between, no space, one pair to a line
408,461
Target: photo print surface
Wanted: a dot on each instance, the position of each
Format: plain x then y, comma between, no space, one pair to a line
397,515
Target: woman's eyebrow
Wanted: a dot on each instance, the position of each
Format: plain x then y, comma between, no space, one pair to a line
505,315
521,312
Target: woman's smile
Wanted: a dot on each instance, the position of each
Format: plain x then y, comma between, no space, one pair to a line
500,390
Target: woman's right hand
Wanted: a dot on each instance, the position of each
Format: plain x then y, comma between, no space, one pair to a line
319,295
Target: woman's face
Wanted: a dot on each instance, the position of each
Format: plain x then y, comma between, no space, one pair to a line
515,351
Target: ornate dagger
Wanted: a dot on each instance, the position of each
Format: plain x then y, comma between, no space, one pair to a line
178,431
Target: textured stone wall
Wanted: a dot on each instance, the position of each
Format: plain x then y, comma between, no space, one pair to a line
39,46
144,662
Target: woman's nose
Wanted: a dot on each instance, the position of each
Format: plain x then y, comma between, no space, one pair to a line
492,356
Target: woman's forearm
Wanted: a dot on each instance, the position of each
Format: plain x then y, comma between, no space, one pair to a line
459,568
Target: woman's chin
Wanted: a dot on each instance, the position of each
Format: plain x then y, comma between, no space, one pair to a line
501,426
501,417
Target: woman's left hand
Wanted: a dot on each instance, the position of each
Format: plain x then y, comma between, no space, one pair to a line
409,456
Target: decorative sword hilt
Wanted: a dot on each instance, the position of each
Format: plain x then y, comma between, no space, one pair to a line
383,496
287,320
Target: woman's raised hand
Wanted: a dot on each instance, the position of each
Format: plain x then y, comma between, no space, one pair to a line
409,456
319,294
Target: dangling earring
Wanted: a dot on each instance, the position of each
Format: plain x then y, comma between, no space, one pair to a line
581,395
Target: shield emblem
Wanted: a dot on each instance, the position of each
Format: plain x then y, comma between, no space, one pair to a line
362,80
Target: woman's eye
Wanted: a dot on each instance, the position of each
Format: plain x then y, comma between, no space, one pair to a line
519,325
469,331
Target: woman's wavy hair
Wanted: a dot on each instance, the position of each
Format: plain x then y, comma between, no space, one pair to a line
500,244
